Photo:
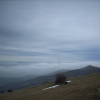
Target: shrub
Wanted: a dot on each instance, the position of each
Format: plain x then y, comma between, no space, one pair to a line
10,90
60,79
1,92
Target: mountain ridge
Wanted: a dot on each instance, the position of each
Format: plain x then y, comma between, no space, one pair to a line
81,88
82,71
48,78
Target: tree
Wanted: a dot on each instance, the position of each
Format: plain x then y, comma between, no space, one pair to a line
60,79
10,90
1,92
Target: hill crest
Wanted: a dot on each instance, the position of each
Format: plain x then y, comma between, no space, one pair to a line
49,78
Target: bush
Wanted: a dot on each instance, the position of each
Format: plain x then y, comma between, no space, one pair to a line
60,79
1,92
10,90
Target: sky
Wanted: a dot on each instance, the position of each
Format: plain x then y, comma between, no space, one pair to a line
41,31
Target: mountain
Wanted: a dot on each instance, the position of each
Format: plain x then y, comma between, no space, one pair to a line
82,71
81,88
56,72
50,77
4,80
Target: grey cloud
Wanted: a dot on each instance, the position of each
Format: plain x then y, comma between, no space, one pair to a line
45,30
41,68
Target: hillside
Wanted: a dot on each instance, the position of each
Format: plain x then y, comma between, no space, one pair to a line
4,80
50,77
81,88
82,71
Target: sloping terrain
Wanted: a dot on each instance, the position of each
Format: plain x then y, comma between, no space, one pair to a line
82,71
81,88
49,78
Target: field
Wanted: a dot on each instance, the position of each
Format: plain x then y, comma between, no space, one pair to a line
81,88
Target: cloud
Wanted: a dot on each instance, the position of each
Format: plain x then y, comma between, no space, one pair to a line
43,31
23,69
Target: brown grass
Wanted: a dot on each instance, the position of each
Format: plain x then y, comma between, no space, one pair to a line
81,88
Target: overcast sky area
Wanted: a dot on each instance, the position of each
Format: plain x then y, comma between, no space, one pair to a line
41,31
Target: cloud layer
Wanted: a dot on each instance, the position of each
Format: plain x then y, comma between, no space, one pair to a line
14,69
43,31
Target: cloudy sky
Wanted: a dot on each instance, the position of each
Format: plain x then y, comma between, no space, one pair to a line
42,31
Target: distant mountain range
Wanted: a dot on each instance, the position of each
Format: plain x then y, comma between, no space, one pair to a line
22,83
82,71
4,80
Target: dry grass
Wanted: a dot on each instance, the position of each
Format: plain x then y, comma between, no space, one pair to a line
81,88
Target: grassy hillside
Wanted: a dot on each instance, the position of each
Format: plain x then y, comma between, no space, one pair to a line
81,88
15,85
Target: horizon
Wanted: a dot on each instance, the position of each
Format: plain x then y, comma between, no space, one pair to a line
17,70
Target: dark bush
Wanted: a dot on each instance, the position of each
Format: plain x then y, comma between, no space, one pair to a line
66,82
60,79
1,92
10,90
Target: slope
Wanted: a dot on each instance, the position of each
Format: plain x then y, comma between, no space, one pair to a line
50,77
82,71
81,88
